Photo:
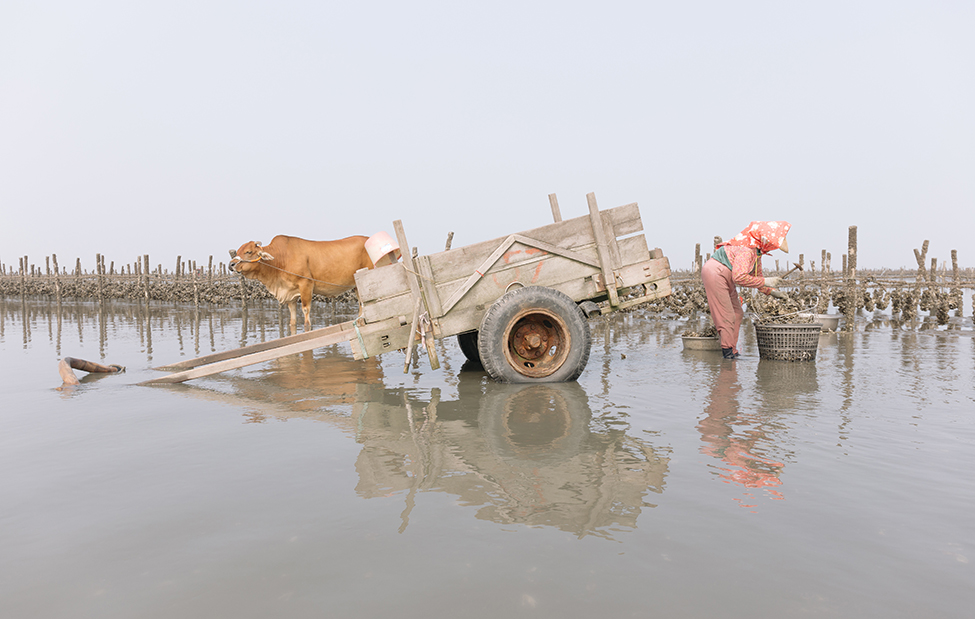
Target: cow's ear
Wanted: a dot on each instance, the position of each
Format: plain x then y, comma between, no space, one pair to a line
266,256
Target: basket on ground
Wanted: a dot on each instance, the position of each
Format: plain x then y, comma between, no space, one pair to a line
788,342
701,343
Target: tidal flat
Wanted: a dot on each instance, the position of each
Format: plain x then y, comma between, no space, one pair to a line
665,482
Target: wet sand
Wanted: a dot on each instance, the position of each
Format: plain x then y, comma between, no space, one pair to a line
664,483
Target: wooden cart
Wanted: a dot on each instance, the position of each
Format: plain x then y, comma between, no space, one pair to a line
518,304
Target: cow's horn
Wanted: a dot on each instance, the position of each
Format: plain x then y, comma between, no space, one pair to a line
233,253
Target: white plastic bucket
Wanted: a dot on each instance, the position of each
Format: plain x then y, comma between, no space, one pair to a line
382,249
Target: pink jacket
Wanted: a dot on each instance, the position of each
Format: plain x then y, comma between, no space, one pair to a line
746,267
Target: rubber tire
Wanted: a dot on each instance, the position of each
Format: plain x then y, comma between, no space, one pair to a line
511,308
468,346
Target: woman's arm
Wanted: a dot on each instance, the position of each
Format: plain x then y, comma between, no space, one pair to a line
746,268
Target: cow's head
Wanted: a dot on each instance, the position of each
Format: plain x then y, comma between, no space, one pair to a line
248,257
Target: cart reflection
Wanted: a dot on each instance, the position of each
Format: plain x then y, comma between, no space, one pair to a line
526,454
522,454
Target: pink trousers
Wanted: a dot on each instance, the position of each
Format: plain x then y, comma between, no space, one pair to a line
724,302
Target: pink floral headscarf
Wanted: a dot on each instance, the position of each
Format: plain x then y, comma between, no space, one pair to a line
764,236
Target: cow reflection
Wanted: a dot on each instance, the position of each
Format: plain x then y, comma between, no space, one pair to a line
526,454
305,385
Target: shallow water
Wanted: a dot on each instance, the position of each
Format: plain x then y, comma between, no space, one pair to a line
664,483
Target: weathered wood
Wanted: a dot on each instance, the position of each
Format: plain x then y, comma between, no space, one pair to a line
253,348
851,274
479,272
407,258
426,333
57,278
611,234
574,234
382,296
554,202
380,286
467,316
376,285
242,357
145,277
602,247
429,286
411,347
377,342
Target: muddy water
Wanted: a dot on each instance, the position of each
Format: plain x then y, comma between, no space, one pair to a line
664,483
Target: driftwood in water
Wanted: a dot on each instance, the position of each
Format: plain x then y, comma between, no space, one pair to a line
68,363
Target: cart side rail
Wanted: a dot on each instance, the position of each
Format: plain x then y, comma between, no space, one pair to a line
457,285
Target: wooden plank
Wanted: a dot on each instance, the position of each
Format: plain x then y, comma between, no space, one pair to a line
633,250
333,337
411,346
253,348
554,203
426,333
380,309
429,286
379,342
487,266
381,282
643,273
478,273
573,234
661,290
555,250
603,249
407,258
344,332
611,241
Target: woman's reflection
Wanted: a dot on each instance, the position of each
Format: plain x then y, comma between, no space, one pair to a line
736,439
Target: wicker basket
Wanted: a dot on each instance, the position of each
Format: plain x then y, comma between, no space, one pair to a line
788,342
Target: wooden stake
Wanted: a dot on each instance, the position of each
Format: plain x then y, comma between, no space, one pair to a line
554,203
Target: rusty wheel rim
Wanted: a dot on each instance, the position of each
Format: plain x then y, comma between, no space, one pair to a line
537,343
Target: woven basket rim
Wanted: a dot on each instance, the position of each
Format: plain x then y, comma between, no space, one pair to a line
804,325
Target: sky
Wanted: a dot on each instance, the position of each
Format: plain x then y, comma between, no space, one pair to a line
186,128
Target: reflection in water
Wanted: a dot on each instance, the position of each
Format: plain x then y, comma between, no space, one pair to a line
784,387
744,441
526,454
521,454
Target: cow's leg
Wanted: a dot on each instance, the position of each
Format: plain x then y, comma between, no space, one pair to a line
306,288
293,308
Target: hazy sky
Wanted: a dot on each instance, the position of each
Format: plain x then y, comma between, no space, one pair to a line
189,127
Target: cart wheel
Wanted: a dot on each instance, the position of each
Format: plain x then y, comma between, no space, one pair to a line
534,334
468,346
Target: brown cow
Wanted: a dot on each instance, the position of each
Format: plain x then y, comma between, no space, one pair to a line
291,267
